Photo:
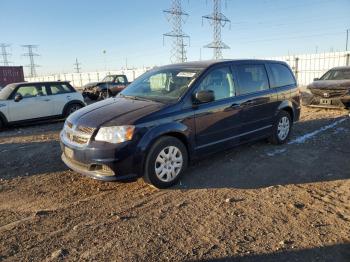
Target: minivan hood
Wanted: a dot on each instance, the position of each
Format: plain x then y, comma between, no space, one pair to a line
114,112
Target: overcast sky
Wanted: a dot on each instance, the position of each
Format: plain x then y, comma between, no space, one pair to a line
132,29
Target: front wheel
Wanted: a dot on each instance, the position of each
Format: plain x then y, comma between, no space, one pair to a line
281,128
105,94
71,109
165,162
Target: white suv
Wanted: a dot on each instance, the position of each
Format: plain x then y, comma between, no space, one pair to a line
23,102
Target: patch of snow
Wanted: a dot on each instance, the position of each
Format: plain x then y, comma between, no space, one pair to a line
302,139
277,151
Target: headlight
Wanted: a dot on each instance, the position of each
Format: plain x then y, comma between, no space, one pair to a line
115,134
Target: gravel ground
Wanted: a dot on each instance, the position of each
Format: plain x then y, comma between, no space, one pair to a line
257,202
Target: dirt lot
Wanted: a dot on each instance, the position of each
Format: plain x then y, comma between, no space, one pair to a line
256,202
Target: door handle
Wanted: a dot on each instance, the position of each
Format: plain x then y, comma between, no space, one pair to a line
47,100
235,105
249,102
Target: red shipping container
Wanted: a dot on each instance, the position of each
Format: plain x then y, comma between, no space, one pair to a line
11,74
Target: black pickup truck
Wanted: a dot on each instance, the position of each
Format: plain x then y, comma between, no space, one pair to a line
111,85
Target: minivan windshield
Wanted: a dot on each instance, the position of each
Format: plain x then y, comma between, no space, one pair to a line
162,85
341,74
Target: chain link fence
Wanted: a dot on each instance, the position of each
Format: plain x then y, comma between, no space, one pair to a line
309,66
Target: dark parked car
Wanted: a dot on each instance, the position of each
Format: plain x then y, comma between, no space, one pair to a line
332,90
177,113
111,85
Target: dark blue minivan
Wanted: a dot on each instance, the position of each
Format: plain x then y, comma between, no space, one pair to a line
174,114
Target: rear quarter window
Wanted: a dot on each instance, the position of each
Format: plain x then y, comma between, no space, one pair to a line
57,89
281,76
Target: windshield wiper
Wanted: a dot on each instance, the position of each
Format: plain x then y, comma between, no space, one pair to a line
136,98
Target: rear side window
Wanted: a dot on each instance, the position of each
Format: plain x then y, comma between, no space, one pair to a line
281,76
57,89
251,79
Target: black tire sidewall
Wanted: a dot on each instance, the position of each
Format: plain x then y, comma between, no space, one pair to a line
67,113
274,139
150,177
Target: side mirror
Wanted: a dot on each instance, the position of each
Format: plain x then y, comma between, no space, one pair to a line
204,96
316,79
18,97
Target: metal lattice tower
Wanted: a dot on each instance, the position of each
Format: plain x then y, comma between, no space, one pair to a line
176,16
77,66
4,54
217,20
31,56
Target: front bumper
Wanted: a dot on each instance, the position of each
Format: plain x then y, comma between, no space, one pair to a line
104,161
332,103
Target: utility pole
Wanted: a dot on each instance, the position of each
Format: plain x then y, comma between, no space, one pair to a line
77,66
217,20
176,16
31,56
4,54
347,39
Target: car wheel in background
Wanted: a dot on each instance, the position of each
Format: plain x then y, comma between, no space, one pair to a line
281,128
92,97
71,109
165,162
105,94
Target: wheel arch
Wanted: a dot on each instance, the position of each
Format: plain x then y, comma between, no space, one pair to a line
176,130
288,107
72,102
3,119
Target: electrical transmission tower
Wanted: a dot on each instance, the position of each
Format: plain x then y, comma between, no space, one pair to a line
31,56
176,16
217,20
4,54
77,66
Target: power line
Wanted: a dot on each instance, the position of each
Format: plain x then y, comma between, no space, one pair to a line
176,16
77,66
4,54
31,56
217,20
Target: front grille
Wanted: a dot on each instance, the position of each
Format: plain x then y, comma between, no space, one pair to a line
69,124
79,135
85,130
329,93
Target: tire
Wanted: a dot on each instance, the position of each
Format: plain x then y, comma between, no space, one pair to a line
1,124
71,109
163,175
105,94
281,128
92,97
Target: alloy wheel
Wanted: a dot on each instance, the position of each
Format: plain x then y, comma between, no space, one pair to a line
283,128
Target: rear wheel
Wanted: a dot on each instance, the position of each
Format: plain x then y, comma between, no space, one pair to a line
71,109
1,125
281,128
165,162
